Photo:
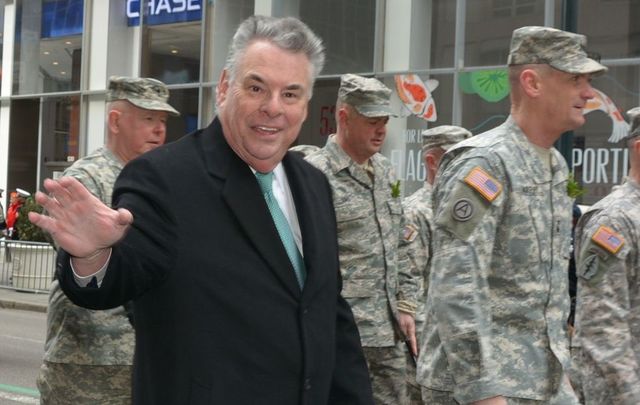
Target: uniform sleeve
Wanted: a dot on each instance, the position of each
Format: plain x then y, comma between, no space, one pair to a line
87,180
604,307
467,212
408,279
413,251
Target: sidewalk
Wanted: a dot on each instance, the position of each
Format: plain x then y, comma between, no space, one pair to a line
27,301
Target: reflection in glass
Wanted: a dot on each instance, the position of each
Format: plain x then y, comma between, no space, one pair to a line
348,32
172,52
320,122
443,24
598,163
186,102
489,24
60,128
611,27
171,38
403,145
48,46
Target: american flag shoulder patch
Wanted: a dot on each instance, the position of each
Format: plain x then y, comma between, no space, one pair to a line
608,239
409,232
483,183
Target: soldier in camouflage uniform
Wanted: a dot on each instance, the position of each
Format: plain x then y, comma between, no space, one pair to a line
369,215
304,150
497,303
606,347
416,237
89,354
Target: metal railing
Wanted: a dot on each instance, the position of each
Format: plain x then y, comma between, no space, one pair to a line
26,266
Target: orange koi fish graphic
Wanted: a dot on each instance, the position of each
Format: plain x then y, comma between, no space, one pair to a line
602,102
416,95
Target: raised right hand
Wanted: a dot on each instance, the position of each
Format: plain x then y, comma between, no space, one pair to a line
77,220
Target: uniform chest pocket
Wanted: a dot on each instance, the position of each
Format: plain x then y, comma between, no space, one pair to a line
351,211
395,211
395,207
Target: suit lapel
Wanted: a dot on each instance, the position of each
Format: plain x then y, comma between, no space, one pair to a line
245,201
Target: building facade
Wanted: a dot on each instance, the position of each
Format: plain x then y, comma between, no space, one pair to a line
445,60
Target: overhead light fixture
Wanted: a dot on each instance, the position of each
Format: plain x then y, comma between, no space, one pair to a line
174,51
63,73
46,52
55,63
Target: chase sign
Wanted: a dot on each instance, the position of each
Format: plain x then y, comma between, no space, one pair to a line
164,11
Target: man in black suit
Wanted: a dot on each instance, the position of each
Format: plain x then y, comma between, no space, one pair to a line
223,314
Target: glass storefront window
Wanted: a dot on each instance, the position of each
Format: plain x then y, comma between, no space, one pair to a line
348,32
185,101
489,24
403,145
485,98
598,159
442,20
48,46
60,126
320,122
171,38
611,27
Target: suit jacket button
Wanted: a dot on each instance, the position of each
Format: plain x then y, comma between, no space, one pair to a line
307,384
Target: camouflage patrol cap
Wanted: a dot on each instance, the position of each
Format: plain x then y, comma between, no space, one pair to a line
444,136
561,50
370,97
147,93
634,117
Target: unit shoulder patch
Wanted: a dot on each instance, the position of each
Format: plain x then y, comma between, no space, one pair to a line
608,239
483,183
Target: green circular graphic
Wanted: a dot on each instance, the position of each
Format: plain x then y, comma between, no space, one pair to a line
492,85
464,81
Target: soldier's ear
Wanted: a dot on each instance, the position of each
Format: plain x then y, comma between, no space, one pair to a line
530,82
342,115
113,121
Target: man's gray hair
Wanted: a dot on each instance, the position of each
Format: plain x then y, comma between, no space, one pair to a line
287,33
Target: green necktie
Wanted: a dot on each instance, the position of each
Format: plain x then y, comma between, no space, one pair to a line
265,180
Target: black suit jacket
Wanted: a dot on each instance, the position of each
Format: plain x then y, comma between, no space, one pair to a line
220,318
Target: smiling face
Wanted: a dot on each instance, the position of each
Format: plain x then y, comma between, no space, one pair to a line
359,136
263,106
565,96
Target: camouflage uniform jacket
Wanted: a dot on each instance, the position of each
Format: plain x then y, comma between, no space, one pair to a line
608,306
497,302
369,226
77,335
416,243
